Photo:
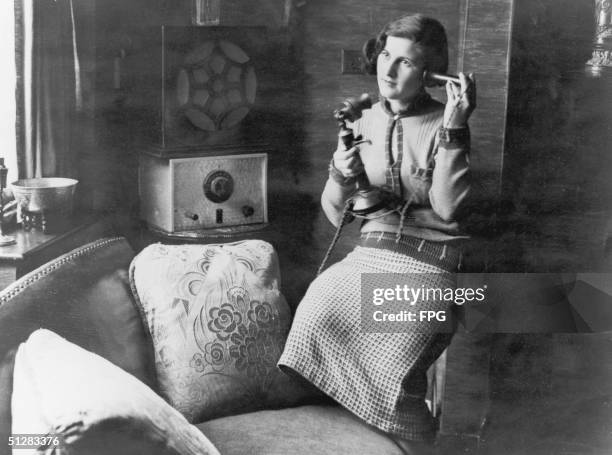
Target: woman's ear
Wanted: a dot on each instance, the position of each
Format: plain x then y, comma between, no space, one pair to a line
429,81
369,56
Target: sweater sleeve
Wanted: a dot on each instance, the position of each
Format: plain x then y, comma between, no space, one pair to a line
333,199
451,175
337,190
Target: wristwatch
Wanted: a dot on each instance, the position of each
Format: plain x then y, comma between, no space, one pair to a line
454,135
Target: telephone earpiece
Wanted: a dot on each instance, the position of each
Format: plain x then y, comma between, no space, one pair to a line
430,78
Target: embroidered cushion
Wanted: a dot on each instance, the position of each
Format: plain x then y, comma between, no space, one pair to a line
86,404
218,322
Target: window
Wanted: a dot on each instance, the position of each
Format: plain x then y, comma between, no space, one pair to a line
8,148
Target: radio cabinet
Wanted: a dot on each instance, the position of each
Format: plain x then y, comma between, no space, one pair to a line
179,194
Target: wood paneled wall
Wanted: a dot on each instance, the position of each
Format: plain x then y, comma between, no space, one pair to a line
485,49
557,165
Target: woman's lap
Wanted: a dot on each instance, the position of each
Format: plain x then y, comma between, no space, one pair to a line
378,376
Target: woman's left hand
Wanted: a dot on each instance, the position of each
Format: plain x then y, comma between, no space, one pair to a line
461,101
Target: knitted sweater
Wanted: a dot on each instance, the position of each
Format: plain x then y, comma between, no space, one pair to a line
433,172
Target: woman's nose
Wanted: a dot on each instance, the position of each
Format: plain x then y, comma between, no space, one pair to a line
391,69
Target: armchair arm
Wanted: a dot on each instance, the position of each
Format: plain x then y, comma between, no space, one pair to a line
85,297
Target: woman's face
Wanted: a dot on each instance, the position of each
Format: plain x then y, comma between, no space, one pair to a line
399,70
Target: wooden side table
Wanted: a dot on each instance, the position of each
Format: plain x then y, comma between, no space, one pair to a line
34,248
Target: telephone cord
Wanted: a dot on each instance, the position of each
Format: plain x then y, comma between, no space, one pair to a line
346,217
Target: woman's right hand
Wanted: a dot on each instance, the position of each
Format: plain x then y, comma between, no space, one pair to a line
348,162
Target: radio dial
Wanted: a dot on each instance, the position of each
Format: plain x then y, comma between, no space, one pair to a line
218,186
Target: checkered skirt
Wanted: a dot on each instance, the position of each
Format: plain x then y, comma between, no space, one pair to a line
380,377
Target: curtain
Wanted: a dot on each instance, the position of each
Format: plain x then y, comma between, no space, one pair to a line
51,88
7,89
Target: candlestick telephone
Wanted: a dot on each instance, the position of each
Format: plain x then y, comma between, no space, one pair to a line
367,199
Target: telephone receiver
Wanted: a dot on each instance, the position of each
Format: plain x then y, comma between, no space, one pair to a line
431,78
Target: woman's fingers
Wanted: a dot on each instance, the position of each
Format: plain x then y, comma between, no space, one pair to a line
341,154
472,90
468,86
352,167
453,92
461,101
463,93
450,95
463,82
348,162
354,172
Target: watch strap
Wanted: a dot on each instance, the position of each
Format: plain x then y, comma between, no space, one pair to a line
459,136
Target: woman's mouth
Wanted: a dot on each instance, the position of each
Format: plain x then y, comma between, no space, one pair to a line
388,82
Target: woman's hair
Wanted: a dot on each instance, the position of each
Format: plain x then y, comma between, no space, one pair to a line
425,31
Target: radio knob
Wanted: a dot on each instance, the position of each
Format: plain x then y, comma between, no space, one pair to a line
218,186
247,211
191,215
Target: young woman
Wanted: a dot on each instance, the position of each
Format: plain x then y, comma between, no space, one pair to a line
416,149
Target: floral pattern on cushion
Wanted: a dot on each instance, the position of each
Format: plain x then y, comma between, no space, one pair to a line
246,337
218,323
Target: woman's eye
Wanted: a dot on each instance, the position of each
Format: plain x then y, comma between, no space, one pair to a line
407,63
